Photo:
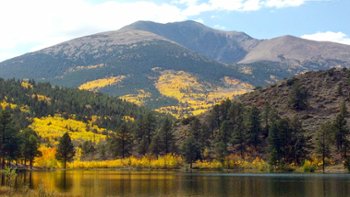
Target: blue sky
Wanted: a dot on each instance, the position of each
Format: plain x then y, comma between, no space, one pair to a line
31,25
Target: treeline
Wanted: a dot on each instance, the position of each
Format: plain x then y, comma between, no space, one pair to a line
231,128
228,129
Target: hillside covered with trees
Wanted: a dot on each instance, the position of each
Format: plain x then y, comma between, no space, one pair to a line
253,132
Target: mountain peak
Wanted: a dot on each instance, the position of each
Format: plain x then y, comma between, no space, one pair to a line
223,46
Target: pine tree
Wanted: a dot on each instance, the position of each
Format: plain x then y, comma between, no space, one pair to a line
300,143
9,138
120,142
221,140
156,145
253,127
324,141
191,150
145,129
167,138
30,146
65,150
342,131
274,149
266,119
298,97
279,142
163,142
196,130
238,138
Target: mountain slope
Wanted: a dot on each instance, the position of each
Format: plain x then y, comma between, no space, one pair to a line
326,90
296,50
139,61
125,63
222,46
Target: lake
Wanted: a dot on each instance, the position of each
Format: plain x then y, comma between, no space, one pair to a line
173,183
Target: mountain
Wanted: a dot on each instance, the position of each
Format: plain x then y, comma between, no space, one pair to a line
222,46
290,48
182,68
326,90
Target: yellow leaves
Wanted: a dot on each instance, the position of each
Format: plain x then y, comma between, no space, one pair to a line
52,128
24,109
97,84
128,119
178,84
208,164
168,161
26,85
312,164
4,104
138,99
234,162
195,97
42,97
47,159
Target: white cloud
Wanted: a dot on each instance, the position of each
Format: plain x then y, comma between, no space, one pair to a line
220,27
330,36
194,7
283,3
31,25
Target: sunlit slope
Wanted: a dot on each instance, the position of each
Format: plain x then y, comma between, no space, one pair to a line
51,128
138,99
53,111
195,96
97,84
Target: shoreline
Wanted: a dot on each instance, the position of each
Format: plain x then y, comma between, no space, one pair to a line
330,170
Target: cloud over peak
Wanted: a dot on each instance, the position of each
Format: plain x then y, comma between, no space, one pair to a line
329,36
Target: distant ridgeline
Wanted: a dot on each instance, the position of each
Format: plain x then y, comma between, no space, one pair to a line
297,124
181,68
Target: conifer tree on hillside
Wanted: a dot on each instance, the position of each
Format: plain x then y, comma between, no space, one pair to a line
191,150
30,146
253,127
239,135
65,150
163,142
120,142
221,141
342,131
9,139
324,140
300,142
145,129
298,97
266,119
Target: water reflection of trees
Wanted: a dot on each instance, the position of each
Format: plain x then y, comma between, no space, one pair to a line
63,182
155,183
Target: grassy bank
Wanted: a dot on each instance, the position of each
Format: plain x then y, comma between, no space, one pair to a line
171,161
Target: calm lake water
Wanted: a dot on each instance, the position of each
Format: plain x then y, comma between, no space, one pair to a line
171,183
